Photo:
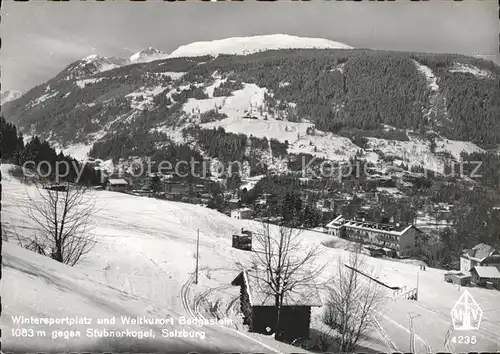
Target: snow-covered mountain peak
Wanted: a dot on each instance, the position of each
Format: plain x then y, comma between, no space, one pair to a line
99,60
147,55
91,65
91,57
254,44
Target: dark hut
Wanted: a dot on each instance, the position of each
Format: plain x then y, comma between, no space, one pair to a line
259,312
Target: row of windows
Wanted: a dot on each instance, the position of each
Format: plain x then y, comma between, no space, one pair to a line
379,235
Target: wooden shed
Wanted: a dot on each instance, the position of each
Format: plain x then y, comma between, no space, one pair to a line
57,188
458,278
243,241
486,275
116,184
259,311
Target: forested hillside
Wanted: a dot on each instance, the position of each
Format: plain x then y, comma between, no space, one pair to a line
337,90
41,156
304,103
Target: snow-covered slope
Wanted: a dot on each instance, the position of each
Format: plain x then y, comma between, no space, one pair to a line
146,249
147,55
249,45
471,69
36,286
121,277
9,95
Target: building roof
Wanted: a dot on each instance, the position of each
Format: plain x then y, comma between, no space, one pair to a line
306,295
242,209
370,226
479,252
337,222
116,181
487,272
459,274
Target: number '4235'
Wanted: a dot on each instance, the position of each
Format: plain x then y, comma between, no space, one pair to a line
464,339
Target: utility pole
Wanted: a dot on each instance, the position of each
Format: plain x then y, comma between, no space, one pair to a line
416,295
197,254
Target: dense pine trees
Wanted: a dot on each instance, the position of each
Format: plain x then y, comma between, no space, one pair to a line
40,155
12,140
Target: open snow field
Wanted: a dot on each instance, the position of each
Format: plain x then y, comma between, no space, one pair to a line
143,266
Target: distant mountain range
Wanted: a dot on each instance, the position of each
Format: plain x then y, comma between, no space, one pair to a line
232,46
275,87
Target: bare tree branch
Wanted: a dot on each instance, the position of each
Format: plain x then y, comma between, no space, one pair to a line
352,303
283,267
64,219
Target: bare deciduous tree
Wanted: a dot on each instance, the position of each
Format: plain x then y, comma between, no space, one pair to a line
353,301
64,221
283,267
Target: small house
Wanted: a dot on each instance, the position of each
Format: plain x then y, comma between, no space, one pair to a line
479,255
176,187
242,213
234,203
457,278
485,275
267,199
116,184
243,241
259,310
57,188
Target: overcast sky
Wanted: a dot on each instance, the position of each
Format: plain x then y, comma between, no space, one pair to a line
40,38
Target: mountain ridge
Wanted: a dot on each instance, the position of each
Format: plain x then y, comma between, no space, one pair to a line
95,63
354,94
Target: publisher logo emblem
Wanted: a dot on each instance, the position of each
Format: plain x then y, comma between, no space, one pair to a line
466,314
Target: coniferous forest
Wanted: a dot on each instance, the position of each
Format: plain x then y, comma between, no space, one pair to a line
36,151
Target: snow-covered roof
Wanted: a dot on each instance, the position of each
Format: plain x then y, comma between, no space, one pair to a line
305,295
242,209
487,272
117,181
479,252
458,273
398,230
337,222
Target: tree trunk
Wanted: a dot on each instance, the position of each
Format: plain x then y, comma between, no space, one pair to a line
58,254
277,331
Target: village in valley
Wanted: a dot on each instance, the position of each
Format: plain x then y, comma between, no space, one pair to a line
395,255
374,221
373,215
